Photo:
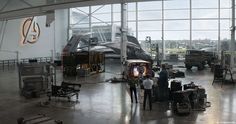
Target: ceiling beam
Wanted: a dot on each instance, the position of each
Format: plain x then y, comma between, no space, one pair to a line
23,1
4,6
44,9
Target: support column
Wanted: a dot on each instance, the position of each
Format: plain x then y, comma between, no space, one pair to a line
124,30
90,21
54,43
112,15
52,56
136,20
218,43
90,32
68,28
113,27
17,57
162,32
232,43
190,28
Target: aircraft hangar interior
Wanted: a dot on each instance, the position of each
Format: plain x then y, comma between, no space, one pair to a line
117,62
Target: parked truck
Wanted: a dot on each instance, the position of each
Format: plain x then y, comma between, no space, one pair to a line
199,58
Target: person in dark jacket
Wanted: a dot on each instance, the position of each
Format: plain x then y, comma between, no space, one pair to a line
132,86
163,84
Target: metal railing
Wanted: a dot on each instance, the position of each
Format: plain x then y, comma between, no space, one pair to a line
7,64
11,63
37,59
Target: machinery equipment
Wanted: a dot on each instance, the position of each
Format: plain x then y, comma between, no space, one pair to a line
35,78
75,60
66,89
193,97
137,68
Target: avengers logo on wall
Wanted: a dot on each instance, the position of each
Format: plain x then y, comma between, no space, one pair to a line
30,31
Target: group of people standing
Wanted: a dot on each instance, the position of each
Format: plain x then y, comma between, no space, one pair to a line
147,84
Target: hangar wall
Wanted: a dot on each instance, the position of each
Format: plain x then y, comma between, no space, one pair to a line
51,38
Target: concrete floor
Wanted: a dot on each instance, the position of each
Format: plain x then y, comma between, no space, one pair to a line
109,103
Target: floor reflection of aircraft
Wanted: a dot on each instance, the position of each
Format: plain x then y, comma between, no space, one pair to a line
79,43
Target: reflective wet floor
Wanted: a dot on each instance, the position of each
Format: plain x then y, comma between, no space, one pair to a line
102,102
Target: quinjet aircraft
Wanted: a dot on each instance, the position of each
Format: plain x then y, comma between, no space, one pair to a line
81,43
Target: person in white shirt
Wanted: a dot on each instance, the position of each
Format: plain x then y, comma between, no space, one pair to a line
147,84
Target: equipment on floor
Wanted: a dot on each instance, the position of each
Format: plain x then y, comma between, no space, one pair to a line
35,78
181,103
176,73
190,86
116,80
193,96
66,89
220,74
183,108
38,119
175,85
